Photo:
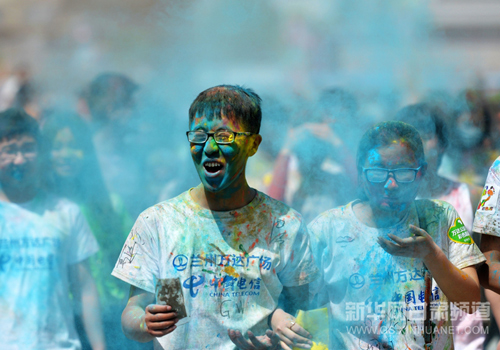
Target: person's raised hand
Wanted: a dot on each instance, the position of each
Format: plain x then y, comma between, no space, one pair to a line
419,245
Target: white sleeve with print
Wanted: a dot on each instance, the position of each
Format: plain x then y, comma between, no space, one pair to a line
487,218
137,263
300,268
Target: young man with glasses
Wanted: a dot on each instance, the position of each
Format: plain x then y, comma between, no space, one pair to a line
390,264
44,246
233,249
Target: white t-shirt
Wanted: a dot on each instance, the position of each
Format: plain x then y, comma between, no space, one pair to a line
232,265
38,240
361,281
487,218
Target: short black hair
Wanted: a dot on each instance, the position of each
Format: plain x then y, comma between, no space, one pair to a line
16,122
232,101
383,134
107,92
426,119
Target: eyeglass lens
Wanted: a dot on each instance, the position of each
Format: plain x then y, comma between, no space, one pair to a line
381,175
11,151
219,136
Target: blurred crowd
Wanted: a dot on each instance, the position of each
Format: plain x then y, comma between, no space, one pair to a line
112,157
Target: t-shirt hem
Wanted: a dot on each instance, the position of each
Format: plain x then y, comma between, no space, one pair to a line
131,281
485,232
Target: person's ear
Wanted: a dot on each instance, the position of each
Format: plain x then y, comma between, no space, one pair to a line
256,140
423,169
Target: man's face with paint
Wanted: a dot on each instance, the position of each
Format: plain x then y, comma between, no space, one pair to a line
18,161
221,166
391,195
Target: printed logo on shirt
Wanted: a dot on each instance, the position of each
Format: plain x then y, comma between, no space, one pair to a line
458,233
488,202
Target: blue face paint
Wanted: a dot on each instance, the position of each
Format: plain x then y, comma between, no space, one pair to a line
391,195
220,166
19,163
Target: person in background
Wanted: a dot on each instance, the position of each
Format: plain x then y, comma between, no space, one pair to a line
44,250
431,126
233,249
315,155
108,103
470,147
18,91
73,172
386,257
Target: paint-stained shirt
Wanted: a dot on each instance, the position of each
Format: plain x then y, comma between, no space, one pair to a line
38,241
487,218
363,285
232,266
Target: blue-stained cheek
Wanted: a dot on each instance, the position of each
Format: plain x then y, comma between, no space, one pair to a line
229,152
197,150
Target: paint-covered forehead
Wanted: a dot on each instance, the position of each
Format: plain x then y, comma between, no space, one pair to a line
397,154
215,121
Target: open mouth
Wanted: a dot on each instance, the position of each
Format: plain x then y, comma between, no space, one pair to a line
213,167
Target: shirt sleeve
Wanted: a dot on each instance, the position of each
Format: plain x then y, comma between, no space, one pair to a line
317,292
487,218
299,268
82,242
463,252
138,261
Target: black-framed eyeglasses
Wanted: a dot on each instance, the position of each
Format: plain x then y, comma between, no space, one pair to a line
222,137
402,175
28,150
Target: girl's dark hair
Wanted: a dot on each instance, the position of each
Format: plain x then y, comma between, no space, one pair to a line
233,101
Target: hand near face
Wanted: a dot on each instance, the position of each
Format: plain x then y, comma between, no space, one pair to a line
419,245
269,341
160,320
